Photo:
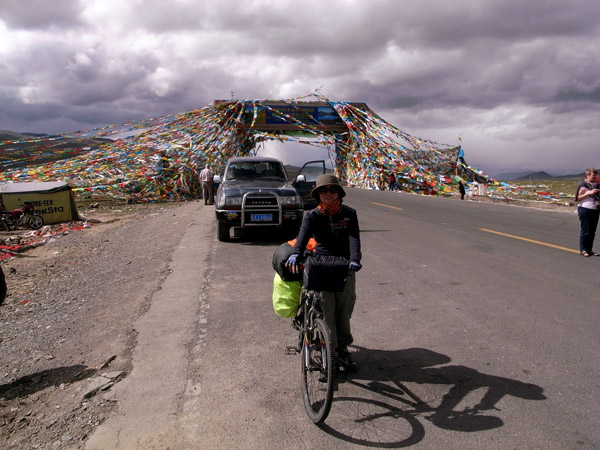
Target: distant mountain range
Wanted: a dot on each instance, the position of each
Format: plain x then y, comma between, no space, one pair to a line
6,135
539,175
12,136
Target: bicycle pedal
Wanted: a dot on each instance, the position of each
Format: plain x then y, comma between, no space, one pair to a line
291,350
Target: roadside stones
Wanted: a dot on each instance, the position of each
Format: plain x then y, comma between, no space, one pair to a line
102,383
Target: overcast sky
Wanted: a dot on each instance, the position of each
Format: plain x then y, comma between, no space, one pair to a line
517,80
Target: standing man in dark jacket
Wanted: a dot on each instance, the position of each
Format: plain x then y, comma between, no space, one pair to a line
335,228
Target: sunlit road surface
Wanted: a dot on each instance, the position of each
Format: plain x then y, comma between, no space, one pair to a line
533,241
475,327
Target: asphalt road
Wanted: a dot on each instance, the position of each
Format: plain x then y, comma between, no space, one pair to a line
466,338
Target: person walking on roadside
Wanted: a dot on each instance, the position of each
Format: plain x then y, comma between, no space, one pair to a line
392,181
334,227
206,180
588,196
382,180
461,189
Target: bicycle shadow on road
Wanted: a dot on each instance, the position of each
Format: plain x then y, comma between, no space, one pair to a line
386,375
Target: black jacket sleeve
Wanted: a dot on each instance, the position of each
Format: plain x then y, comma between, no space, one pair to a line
304,234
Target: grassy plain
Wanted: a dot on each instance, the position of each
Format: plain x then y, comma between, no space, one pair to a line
557,185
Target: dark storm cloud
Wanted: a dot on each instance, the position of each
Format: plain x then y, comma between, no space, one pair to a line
40,14
456,24
574,94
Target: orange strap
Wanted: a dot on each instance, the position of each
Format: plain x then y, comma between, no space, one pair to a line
312,244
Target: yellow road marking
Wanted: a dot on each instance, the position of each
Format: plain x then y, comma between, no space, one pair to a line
388,206
530,240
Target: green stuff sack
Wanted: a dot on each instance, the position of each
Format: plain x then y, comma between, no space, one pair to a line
286,296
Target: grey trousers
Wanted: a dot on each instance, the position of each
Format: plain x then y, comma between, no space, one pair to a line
207,192
338,308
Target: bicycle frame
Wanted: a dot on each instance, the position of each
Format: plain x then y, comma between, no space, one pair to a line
311,310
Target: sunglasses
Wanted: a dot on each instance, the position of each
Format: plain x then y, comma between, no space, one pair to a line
331,190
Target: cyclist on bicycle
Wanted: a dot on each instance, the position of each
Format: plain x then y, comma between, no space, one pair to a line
335,228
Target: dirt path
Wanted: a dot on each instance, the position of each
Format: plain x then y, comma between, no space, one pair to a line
66,328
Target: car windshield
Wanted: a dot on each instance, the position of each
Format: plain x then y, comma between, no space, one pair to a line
252,170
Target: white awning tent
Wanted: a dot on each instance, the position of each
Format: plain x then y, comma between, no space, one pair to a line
52,200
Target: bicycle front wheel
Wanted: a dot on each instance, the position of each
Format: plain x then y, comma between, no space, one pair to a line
318,371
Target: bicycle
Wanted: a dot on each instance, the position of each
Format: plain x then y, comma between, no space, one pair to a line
317,363
318,367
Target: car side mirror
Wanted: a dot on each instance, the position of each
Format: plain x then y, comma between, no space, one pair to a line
217,179
301,179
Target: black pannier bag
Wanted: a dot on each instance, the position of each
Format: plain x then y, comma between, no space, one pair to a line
325,273
280,256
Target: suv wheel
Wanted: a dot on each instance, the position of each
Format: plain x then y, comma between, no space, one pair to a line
223,231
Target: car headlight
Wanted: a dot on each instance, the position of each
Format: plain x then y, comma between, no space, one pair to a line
233,201
289,200
223,200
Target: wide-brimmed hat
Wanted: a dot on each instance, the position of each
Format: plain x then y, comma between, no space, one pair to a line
327,180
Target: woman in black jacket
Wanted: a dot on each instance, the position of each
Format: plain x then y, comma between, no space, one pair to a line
335,228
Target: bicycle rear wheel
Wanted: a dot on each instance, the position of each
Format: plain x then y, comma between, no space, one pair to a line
317,371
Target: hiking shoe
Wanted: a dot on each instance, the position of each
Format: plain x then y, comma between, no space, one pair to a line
345,361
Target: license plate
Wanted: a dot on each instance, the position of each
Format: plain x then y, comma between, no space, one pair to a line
261,217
